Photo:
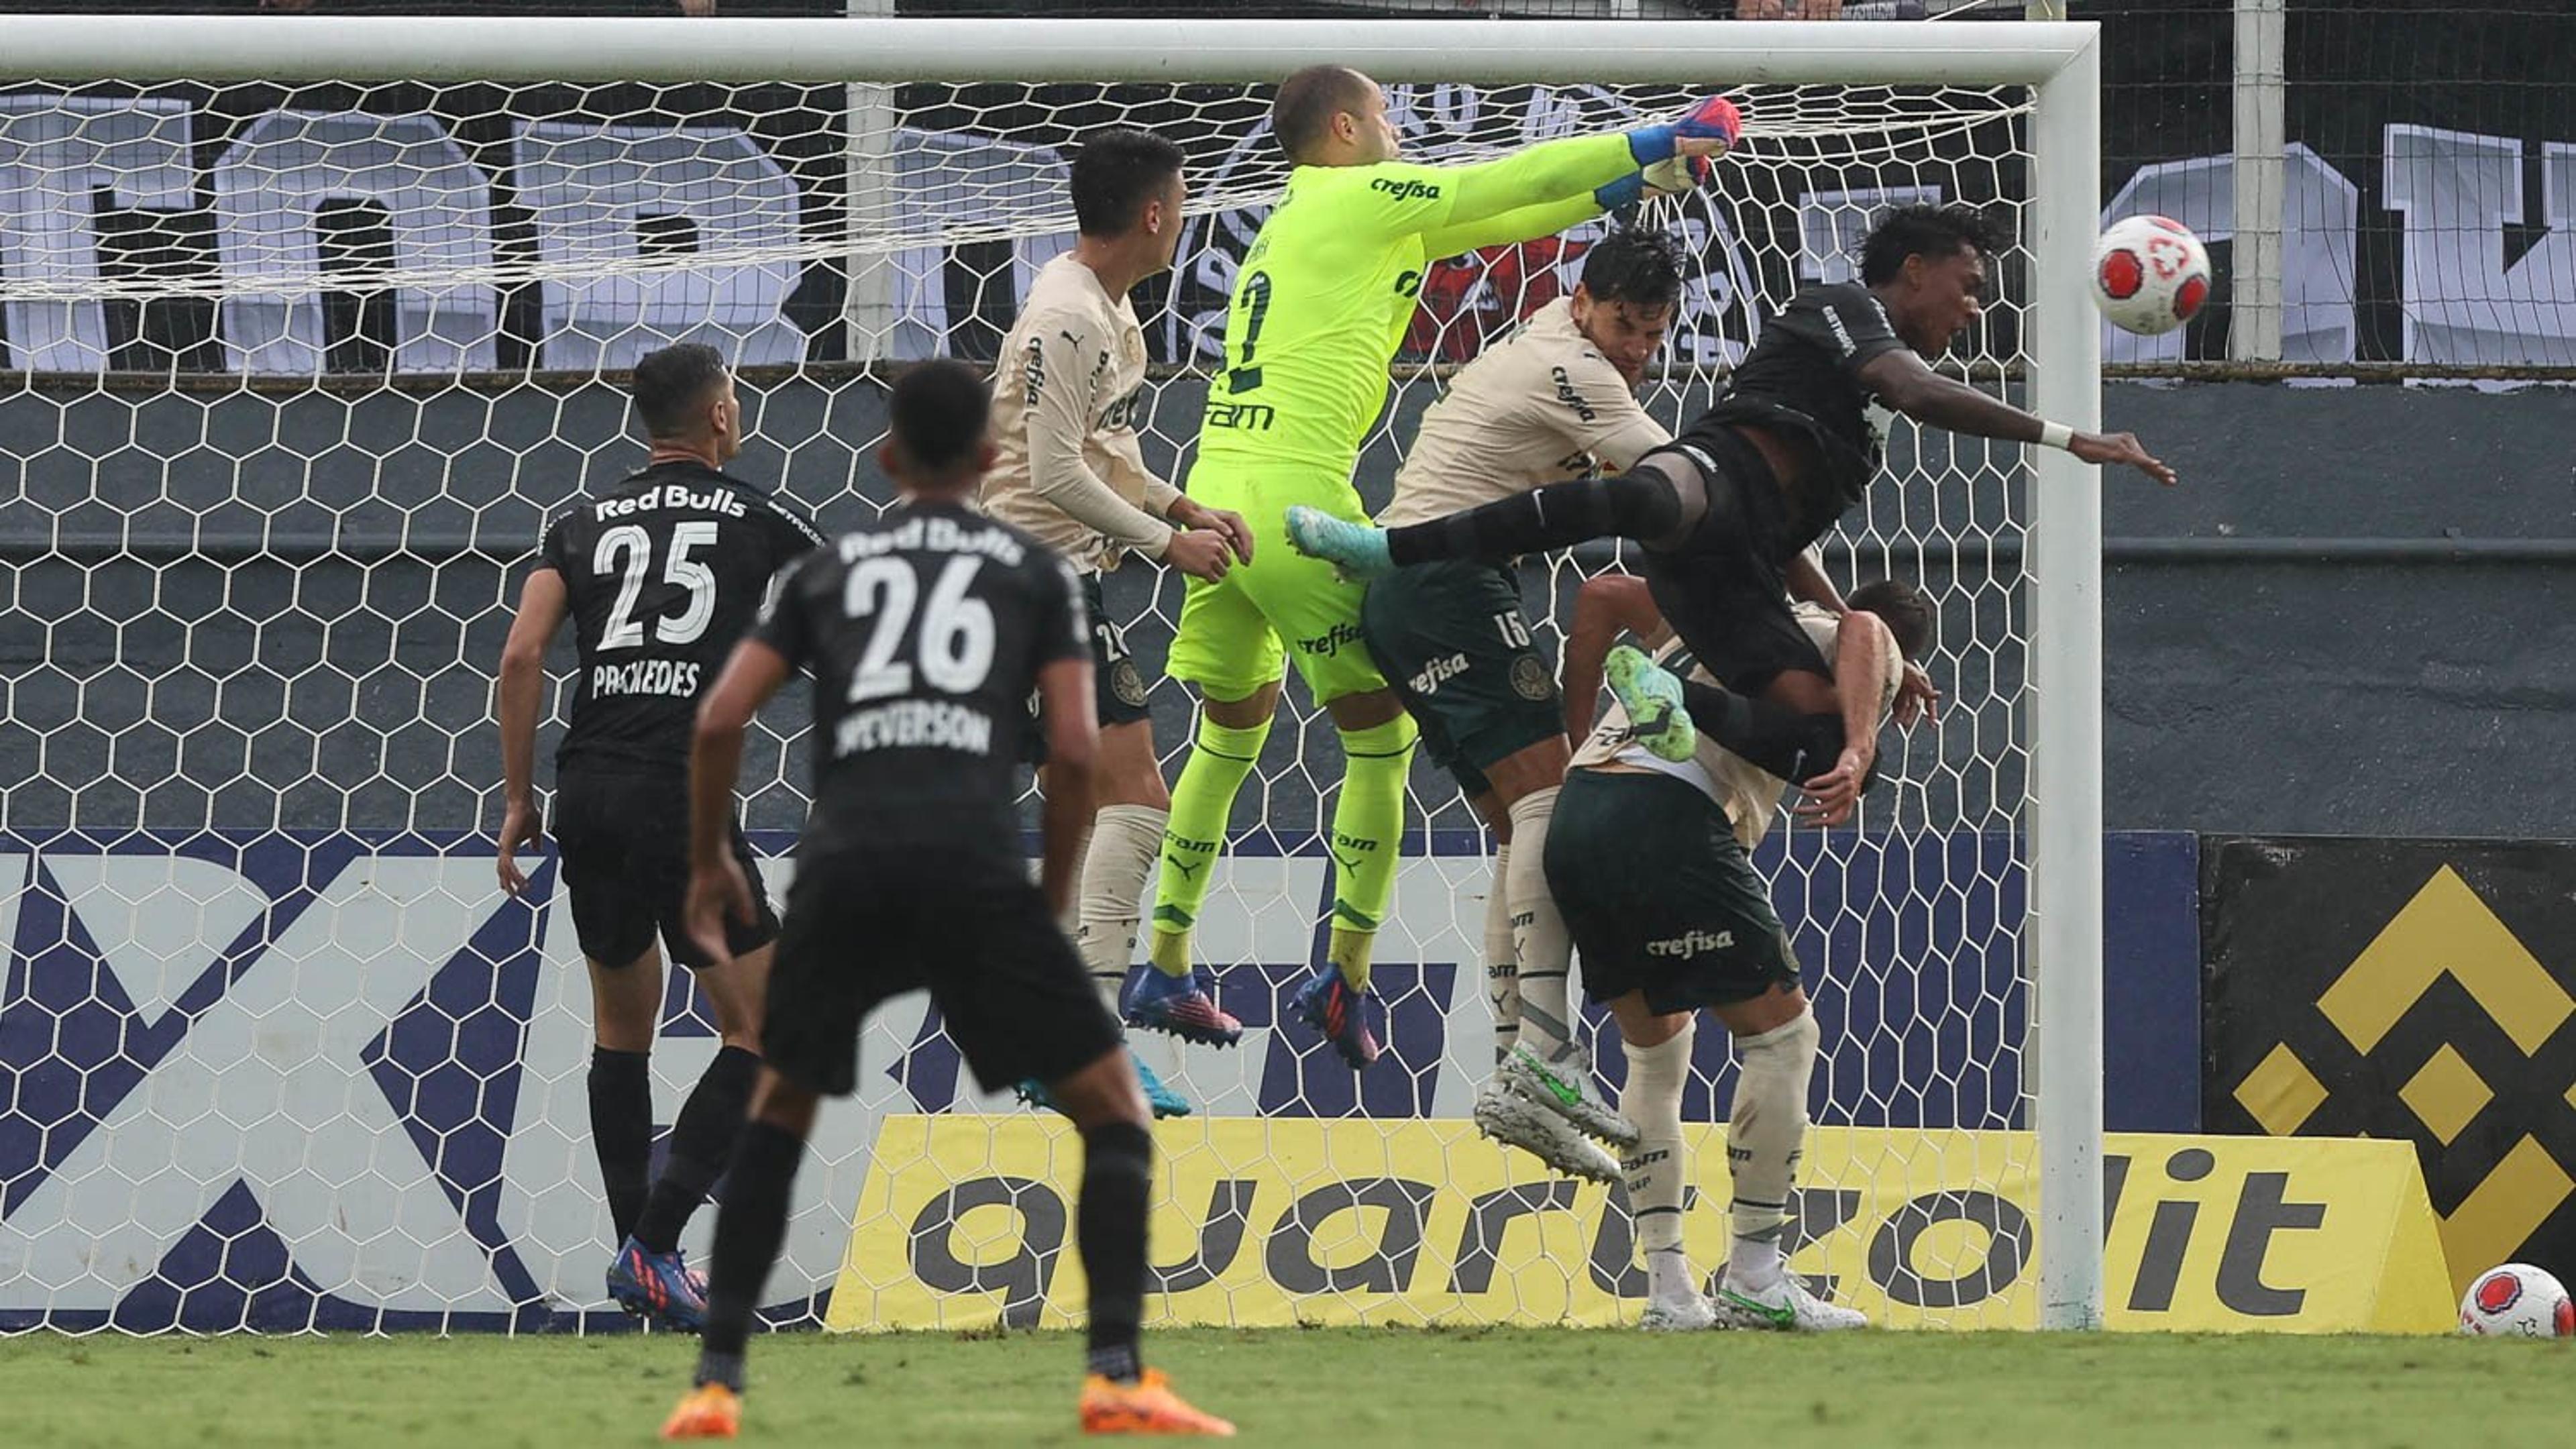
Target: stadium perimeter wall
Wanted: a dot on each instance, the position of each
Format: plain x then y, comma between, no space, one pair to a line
2254,681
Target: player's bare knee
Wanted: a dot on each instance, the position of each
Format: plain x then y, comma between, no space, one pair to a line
1528,770
1250,712
1126,772
1766,1013
626,1002
1641,1025
1365,710
783,1104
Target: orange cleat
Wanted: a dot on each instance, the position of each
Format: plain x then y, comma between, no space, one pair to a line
1147,1406
711,1411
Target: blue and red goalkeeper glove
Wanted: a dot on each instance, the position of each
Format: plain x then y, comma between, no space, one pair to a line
1671,176
1714,119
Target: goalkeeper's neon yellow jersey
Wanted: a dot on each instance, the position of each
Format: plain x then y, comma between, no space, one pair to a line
1322,299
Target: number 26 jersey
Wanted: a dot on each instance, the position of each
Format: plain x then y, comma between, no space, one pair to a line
926,631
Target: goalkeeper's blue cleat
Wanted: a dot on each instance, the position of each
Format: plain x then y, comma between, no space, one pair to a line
657,1286
1652,696
1355,550
1183,1006
1340,1011
1158,1093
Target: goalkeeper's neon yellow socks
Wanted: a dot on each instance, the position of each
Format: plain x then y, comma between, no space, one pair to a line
1368,821
1169,951
1349,951
1202,802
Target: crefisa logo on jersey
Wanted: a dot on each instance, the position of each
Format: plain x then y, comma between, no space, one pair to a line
1472,301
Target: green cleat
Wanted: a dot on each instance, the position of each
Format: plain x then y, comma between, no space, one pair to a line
1355,550
1652,696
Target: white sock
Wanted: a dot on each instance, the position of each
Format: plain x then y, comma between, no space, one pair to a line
1539,940
1654,1170
1668,1276
1125,842
1763,1141
1502,967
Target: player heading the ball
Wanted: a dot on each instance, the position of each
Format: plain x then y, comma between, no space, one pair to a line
1765,471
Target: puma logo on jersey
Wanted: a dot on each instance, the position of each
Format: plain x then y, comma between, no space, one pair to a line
1406,190
1437,673
672,495
1691,943
1572,397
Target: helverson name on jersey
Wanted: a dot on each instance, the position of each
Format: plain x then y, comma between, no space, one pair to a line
672,495
939,535
915,724
677,678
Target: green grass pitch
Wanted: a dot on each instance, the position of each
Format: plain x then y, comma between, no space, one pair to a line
1342,1387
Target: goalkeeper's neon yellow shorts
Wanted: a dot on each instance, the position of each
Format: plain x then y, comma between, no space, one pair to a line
1241,632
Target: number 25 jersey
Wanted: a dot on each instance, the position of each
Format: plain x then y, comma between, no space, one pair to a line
662,575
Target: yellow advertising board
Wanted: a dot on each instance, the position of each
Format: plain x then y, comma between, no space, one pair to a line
967,1220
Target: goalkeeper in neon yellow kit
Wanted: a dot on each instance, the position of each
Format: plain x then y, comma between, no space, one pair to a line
1320,305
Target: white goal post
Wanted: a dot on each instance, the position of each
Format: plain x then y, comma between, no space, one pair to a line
2061,842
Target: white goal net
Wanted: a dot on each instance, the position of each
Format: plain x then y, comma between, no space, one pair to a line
296,371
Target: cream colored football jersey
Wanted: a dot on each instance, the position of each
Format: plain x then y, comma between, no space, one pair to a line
1065,396
1749,794
1541,406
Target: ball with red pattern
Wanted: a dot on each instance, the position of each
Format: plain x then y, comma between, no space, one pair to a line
2518,1300
2150,274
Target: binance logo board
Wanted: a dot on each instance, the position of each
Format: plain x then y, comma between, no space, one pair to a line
2423,991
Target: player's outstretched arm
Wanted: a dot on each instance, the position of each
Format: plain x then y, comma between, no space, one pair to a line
1452,203
1901,381
717,889
1864,651
519,691
1073,741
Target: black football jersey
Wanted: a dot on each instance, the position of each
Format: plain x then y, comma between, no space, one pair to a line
1803,375
925,632
663,573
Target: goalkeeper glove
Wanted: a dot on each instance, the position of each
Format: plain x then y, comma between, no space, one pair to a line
1713,119
1671,176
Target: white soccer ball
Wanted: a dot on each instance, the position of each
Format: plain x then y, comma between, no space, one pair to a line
2149,274
2518,1300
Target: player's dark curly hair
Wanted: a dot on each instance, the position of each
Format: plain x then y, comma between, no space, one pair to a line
1114,174
938,414
1925,230
1302,113
1637,265
1905,610
671,384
